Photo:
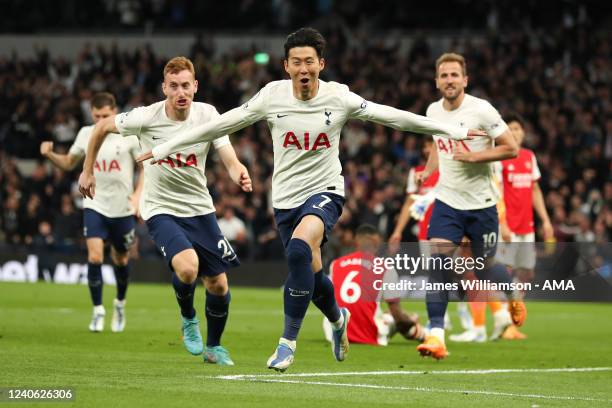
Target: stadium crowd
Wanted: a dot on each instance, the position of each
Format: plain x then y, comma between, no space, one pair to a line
558,79
279,15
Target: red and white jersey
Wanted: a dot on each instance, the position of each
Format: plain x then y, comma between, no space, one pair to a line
467,186
176,185
114,171
306,135
518,177
353,280
426,187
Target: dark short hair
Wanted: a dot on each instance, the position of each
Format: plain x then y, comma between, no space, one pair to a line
515,117
102,99
367,229
305,37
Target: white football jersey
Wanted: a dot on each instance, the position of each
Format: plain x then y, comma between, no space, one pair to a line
114,171
306,135
176,184
467,186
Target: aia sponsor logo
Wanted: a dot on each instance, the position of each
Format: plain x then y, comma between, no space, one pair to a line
306,143
178,161
107,166
448,145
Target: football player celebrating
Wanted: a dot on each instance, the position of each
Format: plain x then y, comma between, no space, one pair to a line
306,116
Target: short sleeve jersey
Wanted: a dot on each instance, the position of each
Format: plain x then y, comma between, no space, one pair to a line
467,186
175,185
114,171
518,176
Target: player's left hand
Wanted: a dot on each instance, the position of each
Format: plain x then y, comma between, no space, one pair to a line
460,154
145,156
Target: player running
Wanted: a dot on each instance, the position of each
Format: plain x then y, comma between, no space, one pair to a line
110,215
466,195
305,116
176,204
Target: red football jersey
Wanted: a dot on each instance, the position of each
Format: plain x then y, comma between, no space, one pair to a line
518,176
353,278
425,188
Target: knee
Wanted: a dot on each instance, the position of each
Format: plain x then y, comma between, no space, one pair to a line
186,267
120,258
95,257
217,285
298,252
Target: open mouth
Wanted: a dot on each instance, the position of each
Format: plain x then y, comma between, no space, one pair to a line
304,81
181,102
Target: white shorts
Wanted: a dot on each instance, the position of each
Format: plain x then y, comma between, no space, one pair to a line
519,253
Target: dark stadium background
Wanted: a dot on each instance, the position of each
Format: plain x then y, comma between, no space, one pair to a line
548,60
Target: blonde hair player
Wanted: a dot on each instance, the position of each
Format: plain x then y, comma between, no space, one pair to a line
466,195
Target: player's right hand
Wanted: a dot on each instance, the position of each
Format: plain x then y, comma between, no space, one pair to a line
87,185
145,156
46,148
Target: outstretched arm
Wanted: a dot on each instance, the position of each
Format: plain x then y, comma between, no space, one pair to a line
87,181
405,121
230,122
237,171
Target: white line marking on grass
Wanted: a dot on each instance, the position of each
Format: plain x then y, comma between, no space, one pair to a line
428,389
407,372
276,378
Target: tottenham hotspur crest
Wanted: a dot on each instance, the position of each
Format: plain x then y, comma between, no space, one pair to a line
327,114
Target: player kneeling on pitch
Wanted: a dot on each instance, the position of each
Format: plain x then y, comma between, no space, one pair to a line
353,280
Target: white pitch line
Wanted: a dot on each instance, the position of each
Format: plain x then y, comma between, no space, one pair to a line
406,372
427,389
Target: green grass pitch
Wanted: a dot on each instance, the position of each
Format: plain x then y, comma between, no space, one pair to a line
44,343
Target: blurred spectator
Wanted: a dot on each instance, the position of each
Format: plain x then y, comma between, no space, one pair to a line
68,225
234,229
43,244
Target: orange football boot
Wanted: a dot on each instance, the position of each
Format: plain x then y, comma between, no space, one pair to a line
432,347
518,311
